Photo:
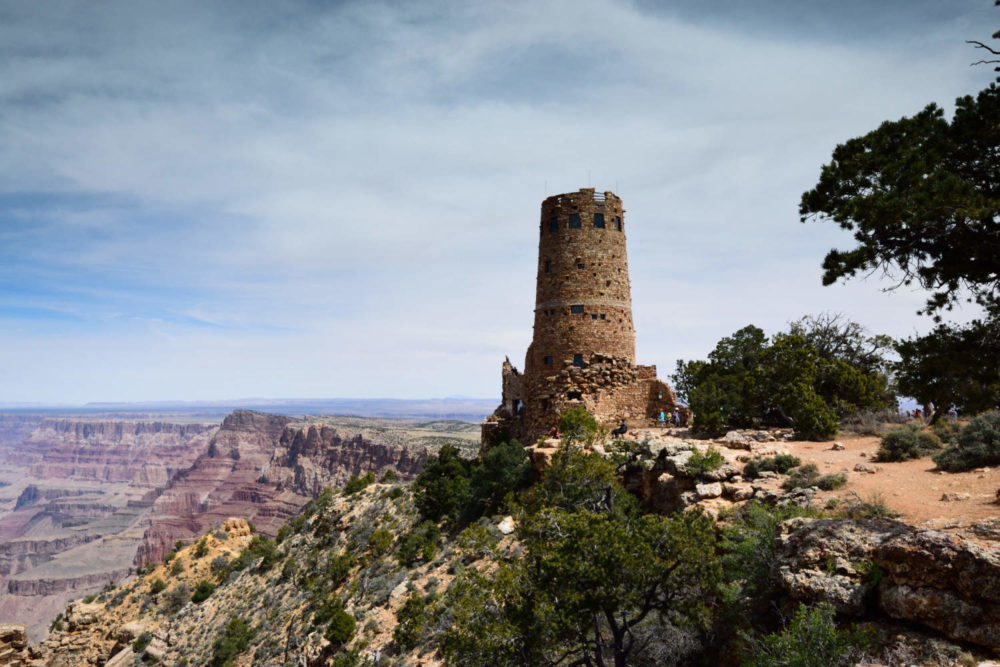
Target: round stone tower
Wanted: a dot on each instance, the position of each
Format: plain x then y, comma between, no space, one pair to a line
582,353
583,301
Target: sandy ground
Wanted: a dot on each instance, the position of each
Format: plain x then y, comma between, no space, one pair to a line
913,488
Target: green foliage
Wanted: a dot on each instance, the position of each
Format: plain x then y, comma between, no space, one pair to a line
355,483
341,624
874,507
389,476
461,490
177,567
477,541
810,640
141,642
176,598
831,481
577,426
952,364
978,445
283,533
703,462
505,468
412,619
89,598
157,586
201,549
903,444
56,624
921,199
578,480
234,640
421,543
202,591
781,463
570,598
802,476
264,548
380,541
442,489
750,547
799,377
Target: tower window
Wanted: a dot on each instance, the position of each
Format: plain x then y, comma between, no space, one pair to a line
574,221
576,310
548,266
602,316
618,222
598,221
578,360
547,360
554,224
581,265
593,316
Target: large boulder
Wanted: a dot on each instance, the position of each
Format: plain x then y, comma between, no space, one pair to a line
928,577
943,582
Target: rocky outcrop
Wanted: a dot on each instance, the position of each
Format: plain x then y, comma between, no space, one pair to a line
313,457
51,586
14,645
935,579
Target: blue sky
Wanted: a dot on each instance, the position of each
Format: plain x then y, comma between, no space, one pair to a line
215,200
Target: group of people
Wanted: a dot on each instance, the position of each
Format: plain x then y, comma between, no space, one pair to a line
674,419
918,413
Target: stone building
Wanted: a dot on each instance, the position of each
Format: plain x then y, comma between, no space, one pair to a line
582,353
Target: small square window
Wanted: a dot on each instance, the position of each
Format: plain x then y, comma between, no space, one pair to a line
581,265
576,310
548,266
554,224
578,360
598,221
547,360
602,316
593,316
574,221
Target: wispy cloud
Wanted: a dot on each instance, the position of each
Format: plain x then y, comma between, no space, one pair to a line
203,200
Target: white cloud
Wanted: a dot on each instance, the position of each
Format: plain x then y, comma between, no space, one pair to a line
305,197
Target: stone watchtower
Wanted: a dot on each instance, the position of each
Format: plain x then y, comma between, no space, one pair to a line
582,353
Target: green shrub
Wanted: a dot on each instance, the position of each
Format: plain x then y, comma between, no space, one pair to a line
201,549
814,419
781,463
389,476
577,425
874,507
141,642
802,476
283,533
56,624
202,591
264,548
234,640
421,543
904,444
810,640
177,567
395,492
157,587
219,564
411,620
355,483
176,598
341,628
442,489
831,481
700,463
978,445
380,541
90,598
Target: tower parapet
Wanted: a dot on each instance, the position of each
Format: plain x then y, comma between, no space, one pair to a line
583,347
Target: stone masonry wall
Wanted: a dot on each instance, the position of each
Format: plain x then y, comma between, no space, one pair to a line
583,346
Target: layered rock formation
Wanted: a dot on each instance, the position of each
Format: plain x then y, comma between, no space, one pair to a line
264,467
